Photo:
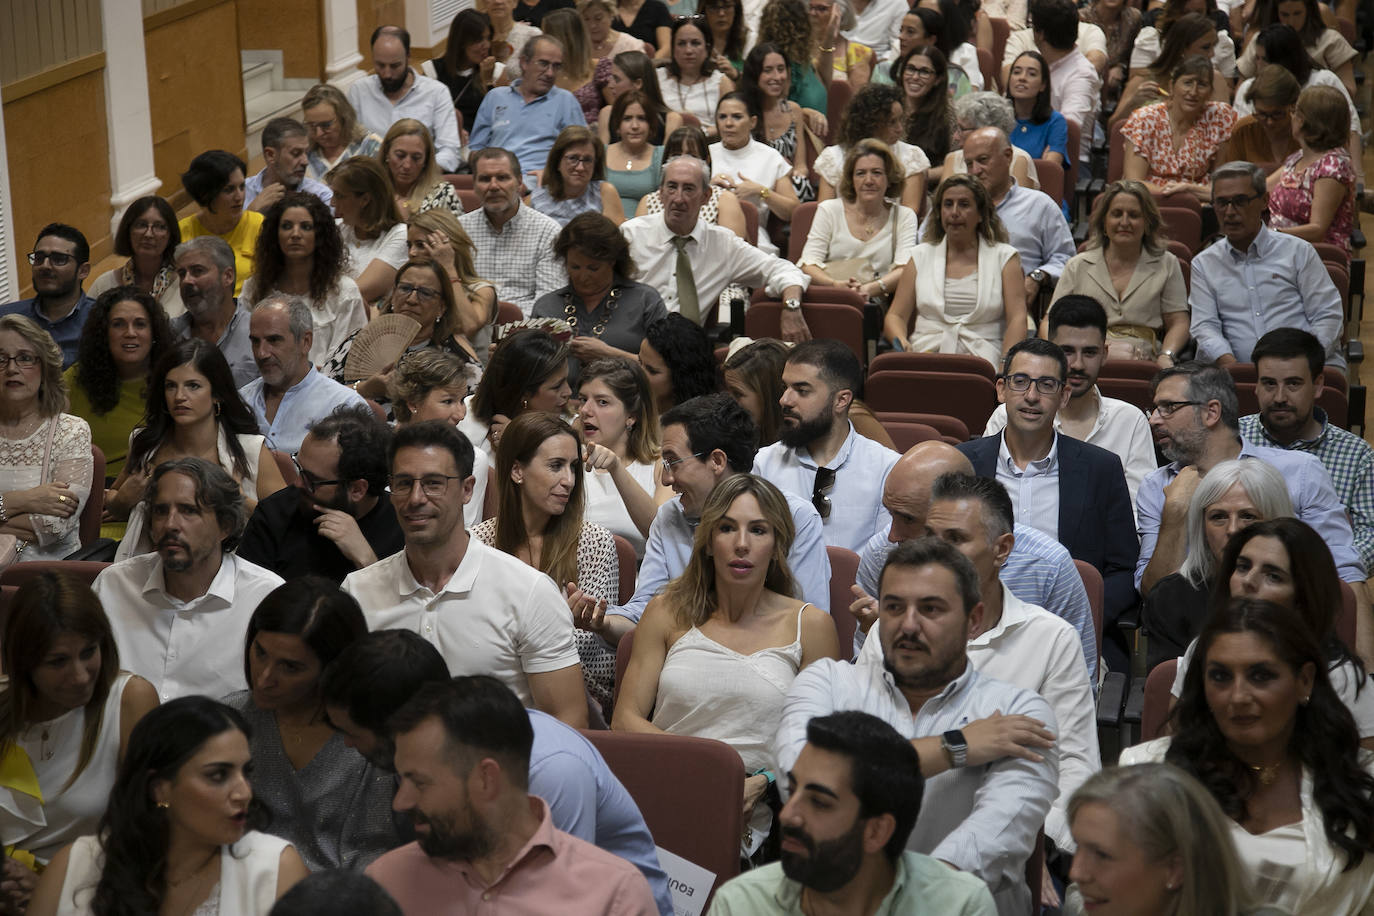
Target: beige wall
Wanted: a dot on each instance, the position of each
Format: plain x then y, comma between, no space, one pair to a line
372,13
294,27
38,34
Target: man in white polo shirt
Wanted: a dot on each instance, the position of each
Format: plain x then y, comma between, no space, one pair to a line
484,610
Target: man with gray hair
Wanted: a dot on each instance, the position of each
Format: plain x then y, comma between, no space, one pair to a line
395,91
690,261
286,152
527,116
1257,279
290,394
205,265
178,614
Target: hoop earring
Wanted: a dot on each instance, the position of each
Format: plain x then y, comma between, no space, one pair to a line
164,805
218,408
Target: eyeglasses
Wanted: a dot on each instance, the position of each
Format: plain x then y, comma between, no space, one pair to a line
549,65
319,126
1167,409
1270,116
695,17
668,465
424,292
1021,382
55,258
143,225
820,493
430,484
923,72
1240,200
24,360
310,480
570,159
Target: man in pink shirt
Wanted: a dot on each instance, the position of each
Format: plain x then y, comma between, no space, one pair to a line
484,844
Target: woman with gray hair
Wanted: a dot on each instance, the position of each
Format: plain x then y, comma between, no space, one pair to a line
45,454
1233,495
988,109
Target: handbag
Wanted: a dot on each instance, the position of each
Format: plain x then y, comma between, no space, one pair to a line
861,269
10,545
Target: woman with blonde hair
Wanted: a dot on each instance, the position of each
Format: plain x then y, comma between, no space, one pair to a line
407,154
334,132
437,235
579,64
374,234
717,649
604,41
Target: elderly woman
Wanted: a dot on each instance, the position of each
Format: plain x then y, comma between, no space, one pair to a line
875,112
215,181
963,284
148,234
575,179
45,454
300,253
1233,495
125,335
1265,135
715,652
1127,268
1313,195
374,235
335,134
607,309
988,109
407,154
861,240
603,40
1171,146
1260,725
438,236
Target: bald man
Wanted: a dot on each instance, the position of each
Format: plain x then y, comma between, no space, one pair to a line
1038,570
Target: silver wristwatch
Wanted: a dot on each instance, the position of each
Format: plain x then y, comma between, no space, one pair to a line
792,305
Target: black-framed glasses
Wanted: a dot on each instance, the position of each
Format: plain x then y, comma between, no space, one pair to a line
1270,116
1167,409
570,159
1045,384
424,292
55,258
22,359
310,480
1240,200
923,72
820,493
430,484
668,465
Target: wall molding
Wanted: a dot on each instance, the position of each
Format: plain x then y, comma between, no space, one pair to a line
181,11
53,76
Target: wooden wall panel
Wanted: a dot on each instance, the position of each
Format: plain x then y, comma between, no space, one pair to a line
294,27
59,166
372,13
38,34
158,6
195,88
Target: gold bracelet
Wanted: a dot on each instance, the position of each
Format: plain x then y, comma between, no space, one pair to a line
828,50
763,194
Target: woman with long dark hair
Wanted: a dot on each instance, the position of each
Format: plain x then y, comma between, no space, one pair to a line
179,835
468,68
753,377
633,71
922,74
1040,130
753,170
678,359
766,82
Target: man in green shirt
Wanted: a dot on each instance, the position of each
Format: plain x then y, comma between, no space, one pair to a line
854,794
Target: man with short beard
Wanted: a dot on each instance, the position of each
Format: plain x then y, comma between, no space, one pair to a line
463,758
395,91
205,265
855,793
61,260
820,456
286,154
178,614
994,792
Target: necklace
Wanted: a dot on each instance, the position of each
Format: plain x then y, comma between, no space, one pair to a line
599,328
1266,775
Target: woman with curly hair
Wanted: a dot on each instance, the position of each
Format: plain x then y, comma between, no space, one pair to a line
300,253
922,73
125,335
1261,728
787,24
678,359
147,235
875,111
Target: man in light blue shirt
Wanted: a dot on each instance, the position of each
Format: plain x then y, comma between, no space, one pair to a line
286,154
376,674
527,116
290,394
820,456
395,91
1256,279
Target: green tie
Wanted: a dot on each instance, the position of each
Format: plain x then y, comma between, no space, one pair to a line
686,282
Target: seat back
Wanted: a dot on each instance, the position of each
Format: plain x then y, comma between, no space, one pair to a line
802,217
19,573
460,182
1092,583
1332,377
1345,620
286,466
1129,368
1116,152
1332,400
947,426
1051,179
988,67
1001,31
506,312
1155,712
1075,145
971,398
469,199
625,557
905,434
1329,252
825,319
934,362
836,104
1131,390
1183,224
844,570
89,524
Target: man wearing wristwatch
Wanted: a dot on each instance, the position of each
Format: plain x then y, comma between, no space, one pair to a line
986,747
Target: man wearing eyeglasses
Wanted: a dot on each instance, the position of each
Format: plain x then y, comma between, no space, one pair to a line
484,610
1070,490
1257,279
61,261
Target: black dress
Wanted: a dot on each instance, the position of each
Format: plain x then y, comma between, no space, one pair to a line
1173,615
535,14
651,16
464,89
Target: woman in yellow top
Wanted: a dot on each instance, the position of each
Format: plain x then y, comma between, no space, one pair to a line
215,181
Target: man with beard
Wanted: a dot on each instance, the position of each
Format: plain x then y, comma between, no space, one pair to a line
178,614
1196,424
1072,491
1078,326
1289,365
513,242
462,752
377,674
286,152
395,91
855,794
289,393
61,260
994,790
336,518
819,455
205,265
527,116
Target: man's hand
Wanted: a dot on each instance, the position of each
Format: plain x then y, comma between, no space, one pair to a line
1000,736
794,329
342,528
16,886
1179,491
864,608
270,194
1032,291
588,613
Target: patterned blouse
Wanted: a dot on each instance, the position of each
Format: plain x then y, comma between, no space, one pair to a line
1290,202
1150,132
442,195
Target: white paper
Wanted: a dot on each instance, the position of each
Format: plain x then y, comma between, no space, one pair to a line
689,883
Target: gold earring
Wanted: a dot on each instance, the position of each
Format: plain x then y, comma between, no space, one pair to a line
164,805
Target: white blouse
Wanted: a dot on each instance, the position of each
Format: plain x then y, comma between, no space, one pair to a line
830,163
831,240
606,507
756,161
70,461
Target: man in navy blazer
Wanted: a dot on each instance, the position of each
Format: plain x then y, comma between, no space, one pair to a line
1073,491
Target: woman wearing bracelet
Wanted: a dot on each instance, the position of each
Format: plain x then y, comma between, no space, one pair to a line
436,235
754,171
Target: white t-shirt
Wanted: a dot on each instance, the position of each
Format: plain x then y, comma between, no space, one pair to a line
389,248
758,162
830,163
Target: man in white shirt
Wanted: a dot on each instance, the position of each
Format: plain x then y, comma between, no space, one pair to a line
395,91
690,261
286,154
179,614
291,394
484,610
1078,326
820,456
